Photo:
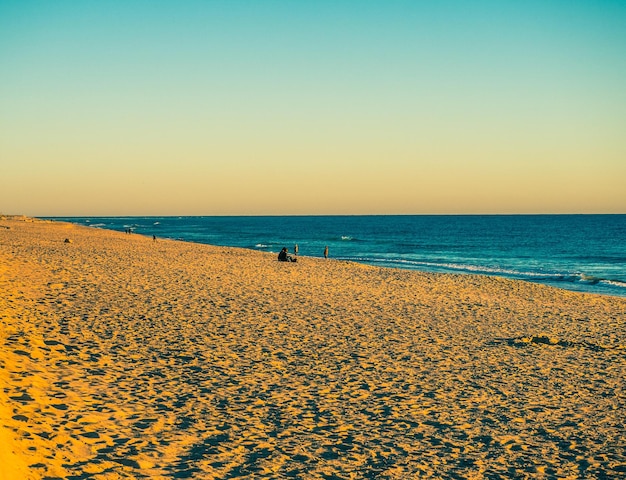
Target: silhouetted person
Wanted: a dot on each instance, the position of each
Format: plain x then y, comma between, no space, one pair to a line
326,251
284,256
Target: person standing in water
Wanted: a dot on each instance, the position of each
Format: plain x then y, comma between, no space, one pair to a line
326,251
295,249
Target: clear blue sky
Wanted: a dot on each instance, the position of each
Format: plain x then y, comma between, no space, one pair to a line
288,107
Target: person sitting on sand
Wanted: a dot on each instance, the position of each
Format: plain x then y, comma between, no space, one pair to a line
283,256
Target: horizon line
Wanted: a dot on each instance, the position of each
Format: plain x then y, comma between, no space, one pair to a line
318,215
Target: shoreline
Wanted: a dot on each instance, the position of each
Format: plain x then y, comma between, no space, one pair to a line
126,356
581,277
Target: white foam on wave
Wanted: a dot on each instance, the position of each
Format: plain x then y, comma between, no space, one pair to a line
553,278
460,267
479,269
589,278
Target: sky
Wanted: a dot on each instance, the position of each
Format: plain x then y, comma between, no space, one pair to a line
230,107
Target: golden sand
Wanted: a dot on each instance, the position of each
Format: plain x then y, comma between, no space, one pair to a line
122,357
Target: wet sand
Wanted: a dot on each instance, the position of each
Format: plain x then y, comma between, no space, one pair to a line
122,357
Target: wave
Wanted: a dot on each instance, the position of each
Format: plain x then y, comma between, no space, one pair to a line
449,266
593,280
542,277
619,259
590,279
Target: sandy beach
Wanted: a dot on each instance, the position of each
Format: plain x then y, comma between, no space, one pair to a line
124,357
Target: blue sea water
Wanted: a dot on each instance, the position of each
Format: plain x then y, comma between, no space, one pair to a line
576,252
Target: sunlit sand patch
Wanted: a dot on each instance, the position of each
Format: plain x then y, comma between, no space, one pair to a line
122,358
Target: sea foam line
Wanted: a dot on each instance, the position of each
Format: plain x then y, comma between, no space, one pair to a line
483,269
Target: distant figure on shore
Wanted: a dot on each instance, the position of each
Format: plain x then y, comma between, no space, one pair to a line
154,238
295,249
326,251
284,256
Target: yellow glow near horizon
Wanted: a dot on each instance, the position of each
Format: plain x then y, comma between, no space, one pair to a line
284,109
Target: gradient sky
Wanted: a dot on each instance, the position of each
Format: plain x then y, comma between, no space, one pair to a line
321,107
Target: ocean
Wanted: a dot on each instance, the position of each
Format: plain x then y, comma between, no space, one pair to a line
585,253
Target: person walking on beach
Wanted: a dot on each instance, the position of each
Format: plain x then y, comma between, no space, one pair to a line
295,249
326,251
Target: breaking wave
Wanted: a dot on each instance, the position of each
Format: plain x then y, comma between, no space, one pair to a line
534,276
